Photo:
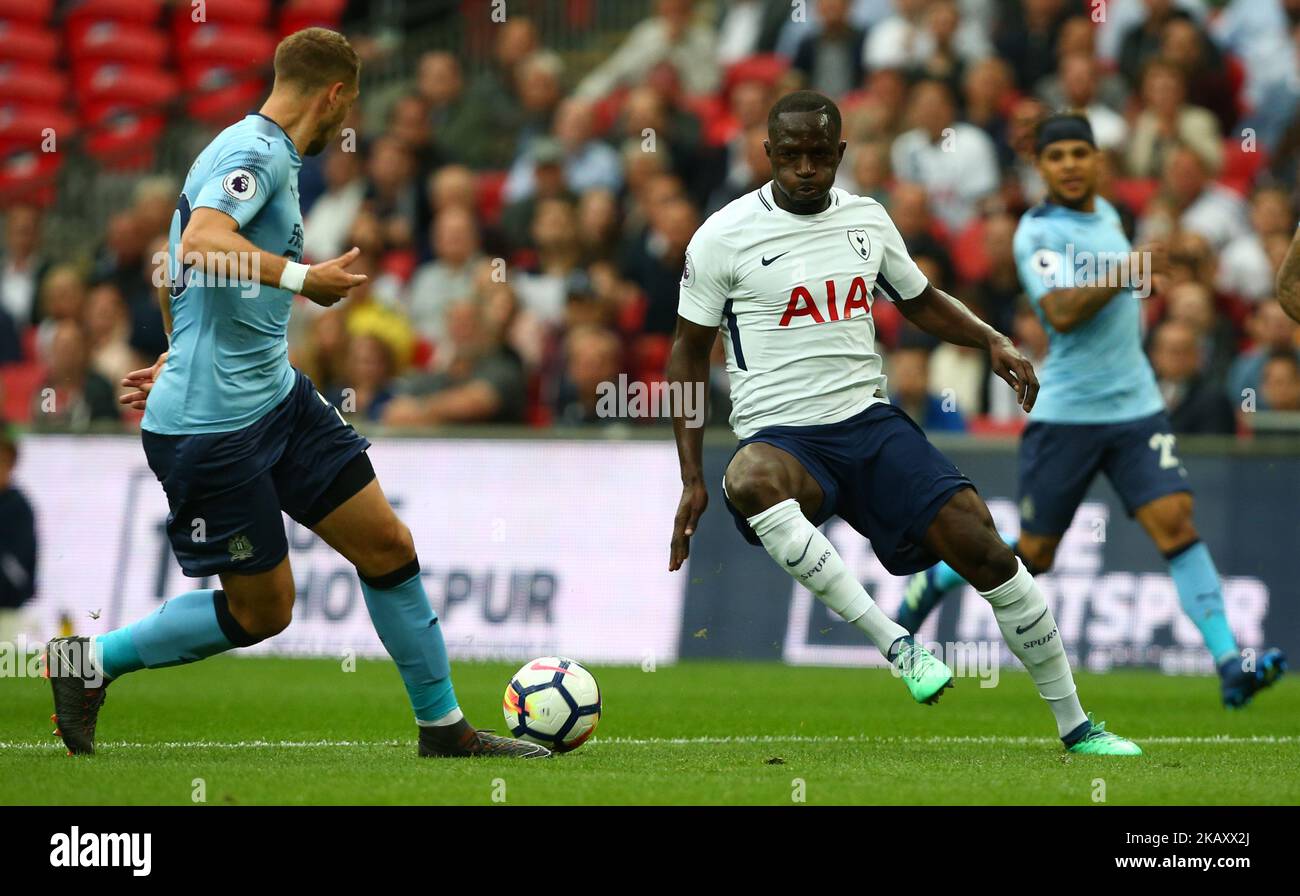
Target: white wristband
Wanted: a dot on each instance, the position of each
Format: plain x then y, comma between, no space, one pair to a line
294,276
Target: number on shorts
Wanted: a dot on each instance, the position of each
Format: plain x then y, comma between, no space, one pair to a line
1164,443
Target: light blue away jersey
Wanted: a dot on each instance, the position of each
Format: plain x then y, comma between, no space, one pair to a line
229,358
1097,372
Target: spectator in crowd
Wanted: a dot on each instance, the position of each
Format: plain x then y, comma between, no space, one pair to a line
548,183
1078,38
1186,47
1279,384
22,266
658,270
541,88
392,194
954,161
670,35
753,171
830,57
904,40
1191,302
493,97
599,220
436,284
62,298
997,291
154,205
1080,78
370,371
409,124
866,174
593,355
331,217
909,389
1141,42
1194,403
1245,269
484,381
1167,123
462,133
108,334
879,111
541,284
1271,331
1202,206
987,90
72,394
588,163
18,542
1029,41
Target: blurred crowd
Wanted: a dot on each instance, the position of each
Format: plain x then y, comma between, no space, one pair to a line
524,226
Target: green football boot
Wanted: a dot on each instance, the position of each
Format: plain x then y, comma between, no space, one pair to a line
925,675
1097,741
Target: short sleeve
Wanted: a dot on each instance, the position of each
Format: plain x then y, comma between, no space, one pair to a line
899,276
706,281
241,183
1040,260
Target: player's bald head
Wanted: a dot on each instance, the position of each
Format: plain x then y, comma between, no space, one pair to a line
804,106
316,58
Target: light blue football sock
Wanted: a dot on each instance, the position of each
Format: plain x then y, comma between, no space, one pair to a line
409,629
187,628
945,578
1201,596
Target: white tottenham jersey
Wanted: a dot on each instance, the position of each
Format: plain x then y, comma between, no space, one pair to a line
792,295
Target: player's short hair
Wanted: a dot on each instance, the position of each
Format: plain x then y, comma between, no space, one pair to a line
1286,356
316,57
804,101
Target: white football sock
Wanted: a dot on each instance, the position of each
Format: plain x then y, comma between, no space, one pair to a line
450,718
805,553
1030,630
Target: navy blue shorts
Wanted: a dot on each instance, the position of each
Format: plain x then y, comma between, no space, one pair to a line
226,490
1058,461
879,473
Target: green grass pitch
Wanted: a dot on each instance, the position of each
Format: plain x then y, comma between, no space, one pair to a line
282,731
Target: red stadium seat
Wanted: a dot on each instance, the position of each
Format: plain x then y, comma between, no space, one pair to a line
20,382
112,41
249,13
144,12
123,140
28,127
229,45
28,177
1135,192
127,85
987,426
25,42
34,11
226,105
24,82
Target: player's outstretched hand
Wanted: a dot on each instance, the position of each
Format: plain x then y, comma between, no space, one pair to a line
329,281
1015,369
694,499
140,382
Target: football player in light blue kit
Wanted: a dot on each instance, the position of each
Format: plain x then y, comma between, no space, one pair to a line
236,436
1099,409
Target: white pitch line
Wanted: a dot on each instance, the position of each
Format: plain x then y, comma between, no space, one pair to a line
937,740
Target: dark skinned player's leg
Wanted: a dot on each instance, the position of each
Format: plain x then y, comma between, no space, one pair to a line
963,535
779,498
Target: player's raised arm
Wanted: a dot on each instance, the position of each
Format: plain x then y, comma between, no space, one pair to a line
213,234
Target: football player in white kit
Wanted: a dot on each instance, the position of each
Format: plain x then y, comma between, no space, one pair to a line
789,273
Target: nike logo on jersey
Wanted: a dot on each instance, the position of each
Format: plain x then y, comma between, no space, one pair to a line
767,261
1020,630
799,559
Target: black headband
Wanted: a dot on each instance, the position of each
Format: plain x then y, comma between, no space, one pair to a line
1066,127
